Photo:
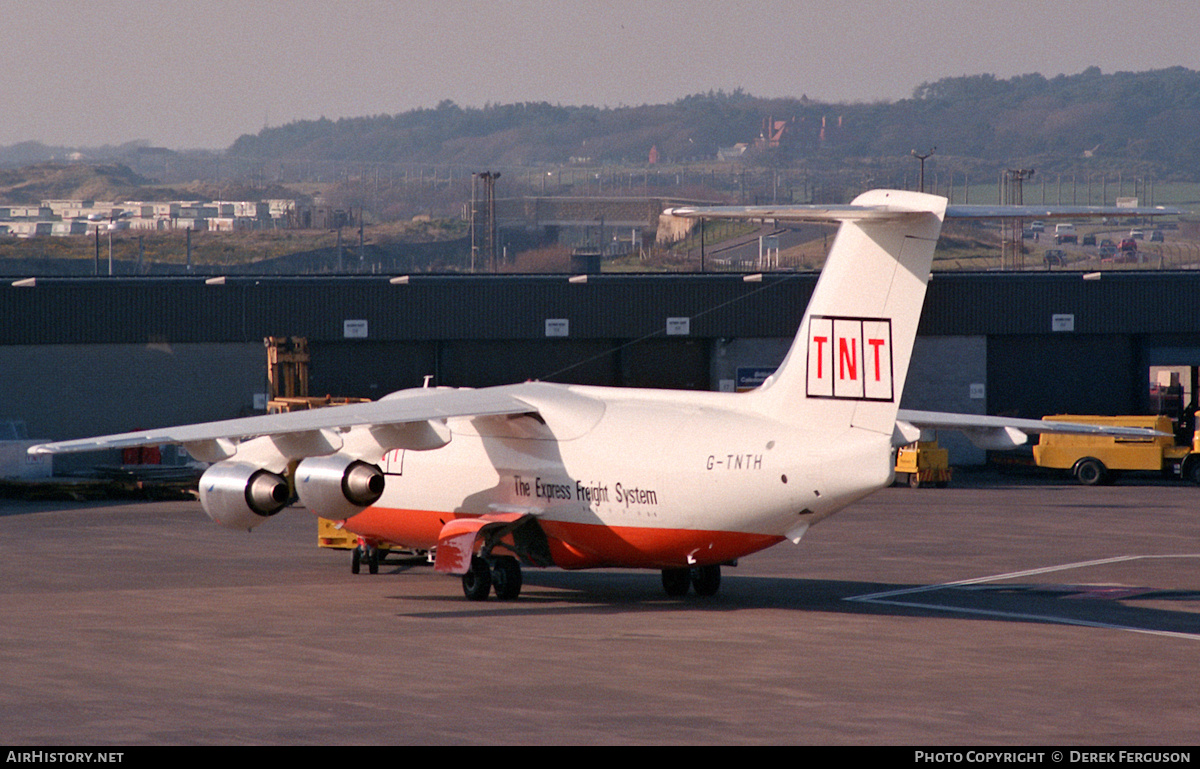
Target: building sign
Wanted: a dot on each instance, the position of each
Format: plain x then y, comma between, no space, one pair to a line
1062,322
751,377
679,326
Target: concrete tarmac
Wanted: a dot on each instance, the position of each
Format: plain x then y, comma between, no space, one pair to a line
999,611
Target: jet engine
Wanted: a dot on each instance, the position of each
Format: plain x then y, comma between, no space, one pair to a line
241,495
337,486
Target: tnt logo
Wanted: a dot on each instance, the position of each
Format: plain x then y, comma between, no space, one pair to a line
850,358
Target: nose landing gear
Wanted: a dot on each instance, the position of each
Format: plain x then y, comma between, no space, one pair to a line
367,553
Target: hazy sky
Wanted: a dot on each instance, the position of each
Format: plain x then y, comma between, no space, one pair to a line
199,74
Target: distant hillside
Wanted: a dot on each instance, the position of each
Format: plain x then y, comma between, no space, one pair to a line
1148,122
45,181
29,185
1074,127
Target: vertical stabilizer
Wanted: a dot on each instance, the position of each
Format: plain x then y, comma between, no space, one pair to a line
850,357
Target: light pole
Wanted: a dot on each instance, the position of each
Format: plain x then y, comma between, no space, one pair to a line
922,159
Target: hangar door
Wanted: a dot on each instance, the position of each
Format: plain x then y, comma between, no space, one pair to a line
1033,375
1173,377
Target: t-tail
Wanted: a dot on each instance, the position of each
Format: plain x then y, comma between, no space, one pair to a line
847,365
849,361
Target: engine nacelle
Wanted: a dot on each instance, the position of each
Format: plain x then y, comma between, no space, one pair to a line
337,486
241,495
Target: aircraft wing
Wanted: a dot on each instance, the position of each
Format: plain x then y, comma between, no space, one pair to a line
407,406
989,432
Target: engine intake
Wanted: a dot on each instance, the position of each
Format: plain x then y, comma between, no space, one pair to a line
338,486
241,495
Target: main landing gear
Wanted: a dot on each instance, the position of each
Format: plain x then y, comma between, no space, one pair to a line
705,580
501,573
368,553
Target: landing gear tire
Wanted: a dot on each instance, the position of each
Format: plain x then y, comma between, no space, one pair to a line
706,580
506,578
356,560
676,581
373,560
477,582
1090,472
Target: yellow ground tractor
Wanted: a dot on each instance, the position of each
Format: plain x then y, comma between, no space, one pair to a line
1093,459
331,534
923,462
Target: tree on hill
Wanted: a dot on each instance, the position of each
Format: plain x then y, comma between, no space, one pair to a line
1151,118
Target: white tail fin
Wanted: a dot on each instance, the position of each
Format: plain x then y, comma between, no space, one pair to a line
850,358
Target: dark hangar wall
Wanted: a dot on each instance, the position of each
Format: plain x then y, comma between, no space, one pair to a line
160,351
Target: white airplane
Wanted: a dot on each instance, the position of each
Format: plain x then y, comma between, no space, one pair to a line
582,477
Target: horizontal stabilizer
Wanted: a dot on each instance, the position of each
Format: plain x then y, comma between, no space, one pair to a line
802,213
1054,212
893,213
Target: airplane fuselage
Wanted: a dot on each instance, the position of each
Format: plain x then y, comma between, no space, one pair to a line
634,478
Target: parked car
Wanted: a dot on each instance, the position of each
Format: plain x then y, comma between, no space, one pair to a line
1088,240
1156,236
1065,233
1137,235
1128,251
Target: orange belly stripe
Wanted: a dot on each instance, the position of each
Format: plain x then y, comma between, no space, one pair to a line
578,545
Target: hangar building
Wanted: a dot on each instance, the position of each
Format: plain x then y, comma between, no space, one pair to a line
86,356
